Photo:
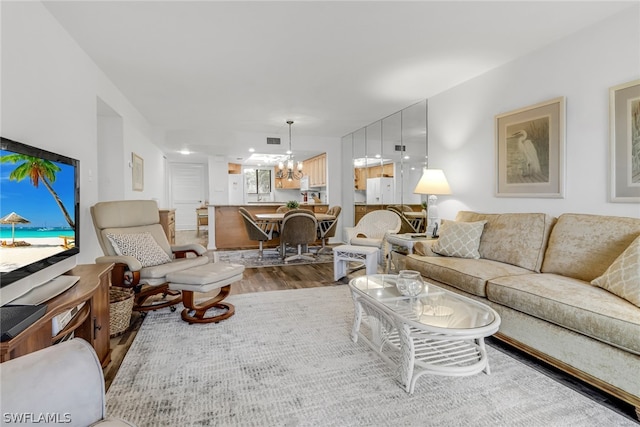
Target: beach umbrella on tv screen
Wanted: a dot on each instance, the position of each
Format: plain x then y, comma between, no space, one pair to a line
13,219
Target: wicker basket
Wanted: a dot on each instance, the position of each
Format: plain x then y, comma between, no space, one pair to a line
120,306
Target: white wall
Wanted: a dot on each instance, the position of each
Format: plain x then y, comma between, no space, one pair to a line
581,68
50,89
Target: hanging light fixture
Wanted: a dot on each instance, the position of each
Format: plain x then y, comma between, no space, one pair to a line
289,169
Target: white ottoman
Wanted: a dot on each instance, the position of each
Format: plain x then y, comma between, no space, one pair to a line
343,254
205,278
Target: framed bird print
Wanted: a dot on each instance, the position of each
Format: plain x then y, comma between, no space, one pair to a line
624,124
530,151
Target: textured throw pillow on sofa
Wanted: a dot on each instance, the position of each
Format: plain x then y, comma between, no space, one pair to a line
459,239
141,246
623,276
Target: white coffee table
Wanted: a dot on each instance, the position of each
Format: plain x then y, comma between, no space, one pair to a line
438,332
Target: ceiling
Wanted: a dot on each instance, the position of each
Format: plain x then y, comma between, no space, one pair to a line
219,77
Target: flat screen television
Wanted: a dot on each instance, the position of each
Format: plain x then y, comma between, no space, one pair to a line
39,214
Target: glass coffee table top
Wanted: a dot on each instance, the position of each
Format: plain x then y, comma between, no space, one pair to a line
434,306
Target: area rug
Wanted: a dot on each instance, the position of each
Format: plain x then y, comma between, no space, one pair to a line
286,359
270,258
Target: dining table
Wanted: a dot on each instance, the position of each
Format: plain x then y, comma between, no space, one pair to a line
273,221
279,216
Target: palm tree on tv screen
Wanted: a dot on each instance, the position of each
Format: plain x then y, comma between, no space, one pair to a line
38,170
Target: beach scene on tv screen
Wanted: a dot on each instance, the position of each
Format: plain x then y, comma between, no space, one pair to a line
37,215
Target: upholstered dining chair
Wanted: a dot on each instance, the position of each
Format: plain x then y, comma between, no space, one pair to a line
299,227
372,229
327,229
255,230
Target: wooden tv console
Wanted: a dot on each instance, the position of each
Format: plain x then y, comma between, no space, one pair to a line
90,323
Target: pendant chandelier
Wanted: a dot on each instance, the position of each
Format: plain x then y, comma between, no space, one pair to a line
289,170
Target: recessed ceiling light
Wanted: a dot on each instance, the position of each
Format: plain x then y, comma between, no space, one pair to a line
185,152
251,150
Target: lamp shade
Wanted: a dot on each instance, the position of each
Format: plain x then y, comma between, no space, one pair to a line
432,181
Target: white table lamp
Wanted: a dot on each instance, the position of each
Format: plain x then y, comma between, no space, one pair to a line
432,183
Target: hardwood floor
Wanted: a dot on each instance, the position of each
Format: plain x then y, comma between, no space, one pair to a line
255,280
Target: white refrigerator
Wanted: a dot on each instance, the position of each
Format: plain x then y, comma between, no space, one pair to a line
380,191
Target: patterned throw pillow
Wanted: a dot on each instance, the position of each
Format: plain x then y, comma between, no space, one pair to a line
459,239
623,276
141,246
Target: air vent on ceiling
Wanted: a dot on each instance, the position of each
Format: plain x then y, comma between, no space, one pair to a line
401,148
273,141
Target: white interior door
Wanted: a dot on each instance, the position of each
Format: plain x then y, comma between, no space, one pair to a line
187,193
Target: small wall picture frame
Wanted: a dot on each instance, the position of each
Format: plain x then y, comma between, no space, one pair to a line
137,172
624,141
530,151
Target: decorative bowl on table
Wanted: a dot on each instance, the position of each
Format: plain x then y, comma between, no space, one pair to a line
409,283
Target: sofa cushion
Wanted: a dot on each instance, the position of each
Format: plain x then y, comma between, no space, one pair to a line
469,275
459,239
573,304
583,246
515,238
623,276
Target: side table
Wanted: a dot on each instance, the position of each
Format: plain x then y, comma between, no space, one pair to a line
403,244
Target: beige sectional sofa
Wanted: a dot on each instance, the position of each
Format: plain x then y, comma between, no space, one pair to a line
536,272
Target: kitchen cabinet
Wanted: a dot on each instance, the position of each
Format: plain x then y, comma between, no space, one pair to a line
316,169
235,168
284,184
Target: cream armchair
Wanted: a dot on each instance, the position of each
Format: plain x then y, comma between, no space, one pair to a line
127,227
62,384
131,236
372,229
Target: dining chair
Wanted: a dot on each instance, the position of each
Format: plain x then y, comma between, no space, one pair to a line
327,229
299,227
406,225
256,231
202,219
